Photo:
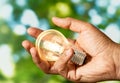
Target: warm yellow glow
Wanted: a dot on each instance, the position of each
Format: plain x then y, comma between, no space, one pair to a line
51,44
7,66
63,9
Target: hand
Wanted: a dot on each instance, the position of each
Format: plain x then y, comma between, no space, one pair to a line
101,62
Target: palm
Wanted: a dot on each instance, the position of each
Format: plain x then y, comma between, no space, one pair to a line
89,72
97,64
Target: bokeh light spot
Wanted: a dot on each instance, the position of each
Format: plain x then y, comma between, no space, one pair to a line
111,10
21,2
29,18
20,29
102,3
63,9
92,12
6,11
3,2
96,19
115,3
7,67
113,31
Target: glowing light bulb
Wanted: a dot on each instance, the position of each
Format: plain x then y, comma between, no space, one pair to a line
51,44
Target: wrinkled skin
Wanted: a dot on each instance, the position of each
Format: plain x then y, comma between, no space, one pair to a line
102,62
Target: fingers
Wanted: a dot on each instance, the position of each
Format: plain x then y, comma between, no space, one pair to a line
70,23
35,56
27,45
43,65
61,65
39,62
66,57
34,32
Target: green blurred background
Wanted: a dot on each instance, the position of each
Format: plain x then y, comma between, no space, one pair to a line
16,65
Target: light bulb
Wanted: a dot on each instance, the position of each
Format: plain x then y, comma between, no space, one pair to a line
51,44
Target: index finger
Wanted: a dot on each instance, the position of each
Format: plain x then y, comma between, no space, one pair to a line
72,24
34,32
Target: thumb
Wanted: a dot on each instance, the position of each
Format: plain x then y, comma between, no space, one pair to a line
61,64
65,58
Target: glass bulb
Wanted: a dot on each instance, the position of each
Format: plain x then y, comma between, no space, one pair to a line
51,44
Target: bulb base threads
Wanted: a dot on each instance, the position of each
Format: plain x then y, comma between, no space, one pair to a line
78,57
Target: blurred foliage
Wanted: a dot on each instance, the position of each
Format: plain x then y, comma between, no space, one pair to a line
25,70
